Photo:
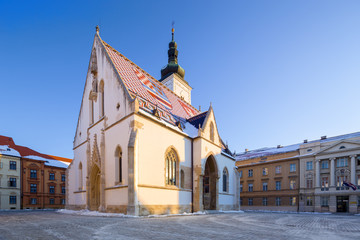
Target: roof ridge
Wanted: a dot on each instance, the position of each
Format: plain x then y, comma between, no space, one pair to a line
143,71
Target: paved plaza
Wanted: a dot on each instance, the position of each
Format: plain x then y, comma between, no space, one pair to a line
248,225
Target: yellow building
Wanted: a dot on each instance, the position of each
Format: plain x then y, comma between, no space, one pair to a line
9,178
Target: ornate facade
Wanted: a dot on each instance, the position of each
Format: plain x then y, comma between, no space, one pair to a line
141,148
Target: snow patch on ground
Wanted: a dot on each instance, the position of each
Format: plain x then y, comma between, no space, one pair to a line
103,214
92,213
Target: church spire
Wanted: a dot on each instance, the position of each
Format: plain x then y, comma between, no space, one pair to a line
172,66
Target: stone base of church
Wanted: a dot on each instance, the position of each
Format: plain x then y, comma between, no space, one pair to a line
228,207
75,207
163,209
116,209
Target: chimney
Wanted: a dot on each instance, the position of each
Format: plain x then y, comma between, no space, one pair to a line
305,141
279,146
323,137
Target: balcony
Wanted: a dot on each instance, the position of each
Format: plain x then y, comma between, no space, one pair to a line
324,189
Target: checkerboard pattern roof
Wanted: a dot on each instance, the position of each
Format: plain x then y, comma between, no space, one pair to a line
151,93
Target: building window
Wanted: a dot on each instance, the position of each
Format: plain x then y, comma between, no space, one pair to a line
225,180
324,182
182,178
309,183
265,201
63,201
12,182
63,177
33,201
265,186
342,162
340,180
358,160
308,201
240,173
278,201
324,201
12,199
212,131
241,201
250,172
33,173
250,201
250,187
52,201
325,164
12,165
265,171
241,187
118,164
51,176
292,184
292,167
278,185
52,189
102,99
80,176
33,188
309,165
358,180
91,111
278,169
292,201
63,189
171,166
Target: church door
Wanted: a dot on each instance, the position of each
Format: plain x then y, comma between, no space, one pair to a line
210,184
95,189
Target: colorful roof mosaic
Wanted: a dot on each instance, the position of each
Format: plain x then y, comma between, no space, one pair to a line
151,93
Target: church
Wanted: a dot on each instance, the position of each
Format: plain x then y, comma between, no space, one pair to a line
141,148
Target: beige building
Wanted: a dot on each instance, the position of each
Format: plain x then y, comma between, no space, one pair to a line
10,197
325,165
269,178
141,148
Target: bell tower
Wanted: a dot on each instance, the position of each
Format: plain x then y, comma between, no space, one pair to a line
172,75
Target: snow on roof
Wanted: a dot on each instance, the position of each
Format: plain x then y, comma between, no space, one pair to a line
275,150
266,152
6,150
48,162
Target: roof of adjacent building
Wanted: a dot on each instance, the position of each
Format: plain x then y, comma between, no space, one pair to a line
28,153
262,152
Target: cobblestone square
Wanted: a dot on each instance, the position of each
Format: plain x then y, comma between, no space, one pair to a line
248,225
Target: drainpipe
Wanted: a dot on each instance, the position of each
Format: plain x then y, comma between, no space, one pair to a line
192,176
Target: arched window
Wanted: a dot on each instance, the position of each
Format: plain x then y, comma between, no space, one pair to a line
118,165
225,180
102,99
80,177
171,161
182,179
212,131
91,109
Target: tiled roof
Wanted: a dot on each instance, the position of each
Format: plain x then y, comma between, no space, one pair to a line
151,93
26,152
198,120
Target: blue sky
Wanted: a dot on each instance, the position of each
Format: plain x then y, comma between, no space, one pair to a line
276,72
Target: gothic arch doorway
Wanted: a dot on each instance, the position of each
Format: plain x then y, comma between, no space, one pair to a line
210,188
95,188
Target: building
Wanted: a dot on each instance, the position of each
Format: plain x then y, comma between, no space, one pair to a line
41,177
269,178
9,178
141,148
325,164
